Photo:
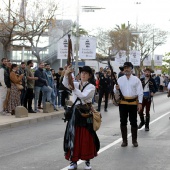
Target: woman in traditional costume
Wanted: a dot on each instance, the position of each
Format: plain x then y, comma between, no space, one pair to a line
80,140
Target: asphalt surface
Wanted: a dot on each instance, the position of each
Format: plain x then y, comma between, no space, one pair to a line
39,145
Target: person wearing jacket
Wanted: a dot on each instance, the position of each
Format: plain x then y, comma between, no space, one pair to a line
51,83
7,86
41,84
149,89
14,98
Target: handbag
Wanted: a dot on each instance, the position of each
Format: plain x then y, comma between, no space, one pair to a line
19,86
116,99
97,119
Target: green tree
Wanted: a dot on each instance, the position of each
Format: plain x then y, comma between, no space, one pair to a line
121,38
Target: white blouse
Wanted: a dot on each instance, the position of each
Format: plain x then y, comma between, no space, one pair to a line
86,95
131,87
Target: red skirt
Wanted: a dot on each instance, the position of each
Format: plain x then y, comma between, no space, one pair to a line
84,146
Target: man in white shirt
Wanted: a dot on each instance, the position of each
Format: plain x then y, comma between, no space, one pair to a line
131,102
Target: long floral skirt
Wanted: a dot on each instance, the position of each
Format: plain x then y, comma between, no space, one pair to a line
14,98
84,145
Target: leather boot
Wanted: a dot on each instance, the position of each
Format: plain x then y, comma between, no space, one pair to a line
142,122
134,131
124,136
147,123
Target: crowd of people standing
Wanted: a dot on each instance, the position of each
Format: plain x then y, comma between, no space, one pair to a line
21,84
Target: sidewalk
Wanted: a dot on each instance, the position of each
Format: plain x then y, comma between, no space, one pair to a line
9,121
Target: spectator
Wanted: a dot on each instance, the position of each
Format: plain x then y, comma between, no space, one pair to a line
41,84
3,90
58,75
50,81
6,66
22,70
55,84
14,98
30,87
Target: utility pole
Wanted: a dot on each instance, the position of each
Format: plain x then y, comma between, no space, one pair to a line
9,11
77,40
153,51
128,42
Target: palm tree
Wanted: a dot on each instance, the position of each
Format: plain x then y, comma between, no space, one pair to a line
81,31
121,38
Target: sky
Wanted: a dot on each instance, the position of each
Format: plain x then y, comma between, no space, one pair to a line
116,12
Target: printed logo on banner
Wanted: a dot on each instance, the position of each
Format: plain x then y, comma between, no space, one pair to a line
120,58
87,49
65,43
147,60
158,60
135,57
87,43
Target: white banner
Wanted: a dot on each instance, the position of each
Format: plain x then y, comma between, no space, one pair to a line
63,48
158,60
147,61
87,48
134,57
120,58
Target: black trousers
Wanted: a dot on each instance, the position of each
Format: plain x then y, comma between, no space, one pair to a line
40,99
101,93
128,111
64,97
28,98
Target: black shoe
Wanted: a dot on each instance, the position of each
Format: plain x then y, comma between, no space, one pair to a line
56,109
31,111
140,125
98,110
105,110
146,128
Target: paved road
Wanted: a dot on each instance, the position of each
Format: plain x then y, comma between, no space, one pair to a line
39,146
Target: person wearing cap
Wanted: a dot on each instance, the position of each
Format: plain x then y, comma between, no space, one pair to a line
121,73
149,89
80,140
131,102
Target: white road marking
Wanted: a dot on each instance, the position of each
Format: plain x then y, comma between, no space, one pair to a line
118,140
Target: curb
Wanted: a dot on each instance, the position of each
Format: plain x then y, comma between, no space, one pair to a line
30,120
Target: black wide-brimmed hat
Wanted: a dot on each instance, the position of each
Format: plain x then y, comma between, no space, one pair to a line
86,69
128,64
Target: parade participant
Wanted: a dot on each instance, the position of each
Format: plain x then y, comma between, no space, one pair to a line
80,141
149,89
131,102
121,73
104,87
